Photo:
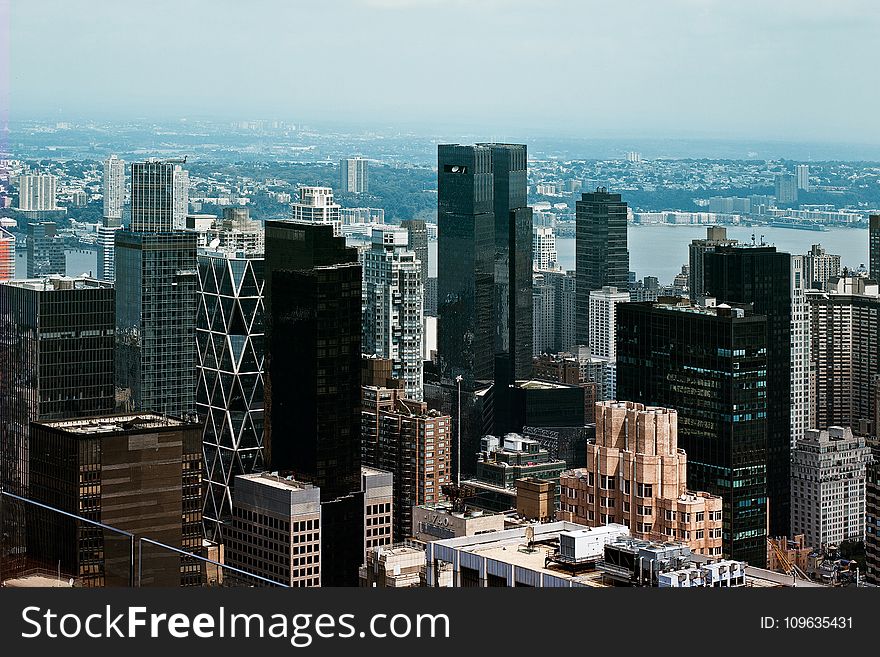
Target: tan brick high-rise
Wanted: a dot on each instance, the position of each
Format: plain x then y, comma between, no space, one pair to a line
637,476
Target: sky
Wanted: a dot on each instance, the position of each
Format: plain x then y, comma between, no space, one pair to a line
799,70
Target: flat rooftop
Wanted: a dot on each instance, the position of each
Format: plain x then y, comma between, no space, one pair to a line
276,480
115,423
58,283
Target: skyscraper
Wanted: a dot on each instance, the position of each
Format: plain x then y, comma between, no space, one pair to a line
786,189
114,188
874,246
37,192
313,356
316,205
803,177
544,254
56,347
353,178
45,250
762,277
466,271
159,196
710,365
601,256
393,320
819,266
800,349
106,251
715,236
845,351
157,294
229,337
7,255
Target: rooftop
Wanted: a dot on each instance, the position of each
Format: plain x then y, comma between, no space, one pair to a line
56,282
128,423
276,480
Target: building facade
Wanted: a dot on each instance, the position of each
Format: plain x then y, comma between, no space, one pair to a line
36,192
45,250
829,468
157,291
697,250
137,473
159,196
316,205
819,266
601,254
544,255
275,529
710,365
353,176
230,387
56,351
393,307
7,255
113,186
636,475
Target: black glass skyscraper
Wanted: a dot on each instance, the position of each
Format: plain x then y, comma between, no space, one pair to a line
313,356
56,360
466,264
601,254
157,292
761,276
711,366
874,246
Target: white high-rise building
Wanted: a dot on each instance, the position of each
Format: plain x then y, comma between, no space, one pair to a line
316,204
106,234
803,177
353,175
159,196
36,191
800,349
393,306
828,474
602,320
114,188
819,266
544,254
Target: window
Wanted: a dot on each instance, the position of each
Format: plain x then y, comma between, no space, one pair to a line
645,490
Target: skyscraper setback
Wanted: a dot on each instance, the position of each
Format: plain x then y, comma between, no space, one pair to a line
601,255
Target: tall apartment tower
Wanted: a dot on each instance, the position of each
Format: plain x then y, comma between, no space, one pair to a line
845,351
316,205
762,276
157,293
803,177
393,305
313,356
786,189
544,255
710,365
874,246
45,250
114,188
417,232
800,349
601,255
7,255
697,250
159,196
636,475
819,266
36,192
414,444
114,199
543,315
229,338
139,473
828,486
56,348
353,178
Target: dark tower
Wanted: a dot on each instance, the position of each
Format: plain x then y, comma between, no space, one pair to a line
710,364
874,246
761,276
313,356
601,255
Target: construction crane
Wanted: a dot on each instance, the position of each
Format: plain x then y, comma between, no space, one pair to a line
789,567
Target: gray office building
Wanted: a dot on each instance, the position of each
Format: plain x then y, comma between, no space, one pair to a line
45,250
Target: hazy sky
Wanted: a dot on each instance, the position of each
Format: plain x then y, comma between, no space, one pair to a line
802,70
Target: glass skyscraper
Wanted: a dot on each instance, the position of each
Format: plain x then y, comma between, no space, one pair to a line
45,250
601,254
710,364
156,298
159,195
